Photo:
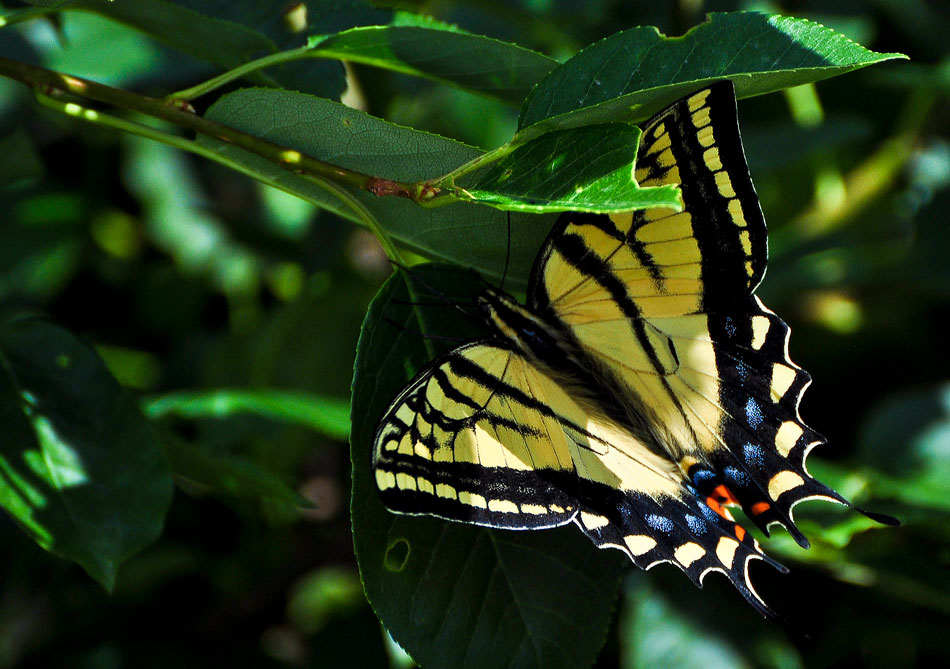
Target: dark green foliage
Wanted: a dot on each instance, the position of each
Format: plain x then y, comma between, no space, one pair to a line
165,319
409,563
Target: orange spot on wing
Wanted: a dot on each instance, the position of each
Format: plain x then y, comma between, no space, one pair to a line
714,504
759,508
724,495
740,532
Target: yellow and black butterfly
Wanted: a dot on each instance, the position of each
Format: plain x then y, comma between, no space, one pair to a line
642,390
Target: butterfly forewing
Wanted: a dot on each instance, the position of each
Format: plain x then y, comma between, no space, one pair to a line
662,300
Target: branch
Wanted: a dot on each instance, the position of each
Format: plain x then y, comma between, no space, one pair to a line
55,85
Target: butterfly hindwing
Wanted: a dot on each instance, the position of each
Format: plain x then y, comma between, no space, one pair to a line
471,439
760,389
485,436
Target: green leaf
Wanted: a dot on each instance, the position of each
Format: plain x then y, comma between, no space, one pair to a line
453,594
908,439
51,3
578,169
635,73
230,34
323,594
472,236
222,42
434,50
21,161
133,56
228,476
41,243
654,633
330,416
81,470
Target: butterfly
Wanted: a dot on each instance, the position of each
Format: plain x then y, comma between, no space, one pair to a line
641,391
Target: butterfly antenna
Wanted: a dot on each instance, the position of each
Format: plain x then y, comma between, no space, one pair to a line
443,298
504,272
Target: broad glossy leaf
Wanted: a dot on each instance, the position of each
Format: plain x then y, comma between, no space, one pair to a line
327,415
633,74
578,169
469,235
82,471
439,51
453,594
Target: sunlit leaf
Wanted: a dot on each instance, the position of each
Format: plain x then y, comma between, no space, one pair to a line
654,634
579,169
134,55
327,415
323,594
82,472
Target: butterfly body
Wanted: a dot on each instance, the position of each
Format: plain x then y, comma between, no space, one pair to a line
640,391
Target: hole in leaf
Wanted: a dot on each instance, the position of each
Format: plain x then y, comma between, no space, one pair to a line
397,555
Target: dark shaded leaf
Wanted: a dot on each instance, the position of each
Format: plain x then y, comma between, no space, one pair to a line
633,74
477,237
439,51
227,476
908,439
81,470
453,594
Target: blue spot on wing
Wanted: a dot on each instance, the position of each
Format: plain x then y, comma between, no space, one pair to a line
753,453
702,475
696,525
730,327
708,512
742,371
659,523
737,475
753,413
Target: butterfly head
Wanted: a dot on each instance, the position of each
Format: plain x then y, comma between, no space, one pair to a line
518,326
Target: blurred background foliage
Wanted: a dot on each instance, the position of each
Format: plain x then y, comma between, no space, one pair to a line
184,275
